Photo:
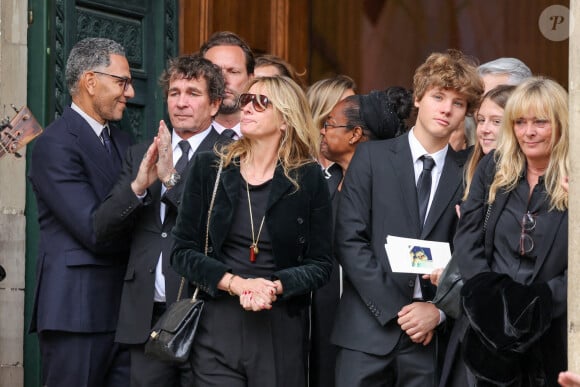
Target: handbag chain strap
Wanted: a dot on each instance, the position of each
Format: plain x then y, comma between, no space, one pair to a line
212,201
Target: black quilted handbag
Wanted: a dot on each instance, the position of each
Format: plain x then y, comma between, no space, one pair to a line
172,336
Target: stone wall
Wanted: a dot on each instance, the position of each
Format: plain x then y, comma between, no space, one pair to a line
13,59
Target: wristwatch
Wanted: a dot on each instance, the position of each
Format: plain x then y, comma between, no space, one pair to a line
173,179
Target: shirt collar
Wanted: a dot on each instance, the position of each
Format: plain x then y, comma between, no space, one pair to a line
194,141
417,150
94,124
220,128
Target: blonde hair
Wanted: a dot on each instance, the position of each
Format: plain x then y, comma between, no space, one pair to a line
545,99
499,96
323,95
300,141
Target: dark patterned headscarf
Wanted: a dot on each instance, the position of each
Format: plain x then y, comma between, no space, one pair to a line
384,112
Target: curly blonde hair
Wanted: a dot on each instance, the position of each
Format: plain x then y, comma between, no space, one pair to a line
546,99
453,71
299,143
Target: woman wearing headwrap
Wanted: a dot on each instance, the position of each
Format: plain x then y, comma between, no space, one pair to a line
375,116
379,115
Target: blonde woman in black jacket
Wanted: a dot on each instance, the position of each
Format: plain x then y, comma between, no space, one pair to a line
269,242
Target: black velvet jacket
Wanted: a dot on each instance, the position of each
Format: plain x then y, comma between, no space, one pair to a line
299,224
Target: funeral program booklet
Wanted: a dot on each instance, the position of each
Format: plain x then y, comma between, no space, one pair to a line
407,255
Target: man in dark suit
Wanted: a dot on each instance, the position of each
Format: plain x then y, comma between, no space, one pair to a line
233,55
384,327
144,202
75,163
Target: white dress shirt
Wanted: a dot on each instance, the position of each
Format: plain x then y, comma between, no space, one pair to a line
194,142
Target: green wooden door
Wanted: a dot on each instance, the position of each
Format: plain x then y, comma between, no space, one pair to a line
148,30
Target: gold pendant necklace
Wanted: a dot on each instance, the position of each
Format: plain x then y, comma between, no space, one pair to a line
254,246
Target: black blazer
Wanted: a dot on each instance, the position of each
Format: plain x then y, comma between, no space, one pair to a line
122,213
379,198
79,278
299,224
551,264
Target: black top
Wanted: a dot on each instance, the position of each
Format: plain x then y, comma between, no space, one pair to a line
298,223
506,242
236,248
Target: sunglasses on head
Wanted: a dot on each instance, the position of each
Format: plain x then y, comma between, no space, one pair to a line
259,102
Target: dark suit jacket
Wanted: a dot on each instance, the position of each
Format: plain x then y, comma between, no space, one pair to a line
78,279
551,264
379,198
299,225
122,213
333,176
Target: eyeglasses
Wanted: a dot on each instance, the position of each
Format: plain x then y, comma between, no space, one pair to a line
259,102
526,241
126,80
327,125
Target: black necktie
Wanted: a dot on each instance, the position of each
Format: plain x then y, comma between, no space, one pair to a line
424,187
107,140
182,162
230,133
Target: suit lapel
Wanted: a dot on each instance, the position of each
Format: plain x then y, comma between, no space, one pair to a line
209,141
121,142
223,210
230,180
497,207
334,176
280,185
542,247
449,183
91,145
405,178
155,190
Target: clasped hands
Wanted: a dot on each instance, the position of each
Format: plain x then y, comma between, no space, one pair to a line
255,294
157,164
419,321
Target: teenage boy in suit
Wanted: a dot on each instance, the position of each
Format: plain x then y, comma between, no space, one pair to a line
385,328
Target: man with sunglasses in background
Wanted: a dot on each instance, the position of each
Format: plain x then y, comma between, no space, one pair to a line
75,163
236,60
143,205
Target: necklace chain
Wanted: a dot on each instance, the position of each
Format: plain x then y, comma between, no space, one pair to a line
254,247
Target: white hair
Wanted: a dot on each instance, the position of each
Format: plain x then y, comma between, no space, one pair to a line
516,70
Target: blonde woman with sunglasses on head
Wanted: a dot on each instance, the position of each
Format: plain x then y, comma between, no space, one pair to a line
269,242
515,274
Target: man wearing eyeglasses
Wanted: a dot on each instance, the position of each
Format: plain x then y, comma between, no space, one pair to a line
75,163
143,205
233,55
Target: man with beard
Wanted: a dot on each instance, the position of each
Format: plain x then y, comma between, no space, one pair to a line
233,55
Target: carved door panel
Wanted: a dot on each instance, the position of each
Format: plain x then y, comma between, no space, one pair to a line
278,27
148,31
